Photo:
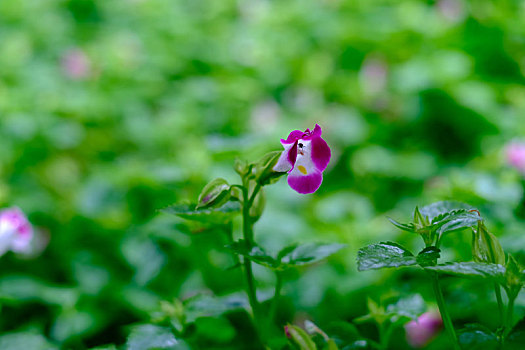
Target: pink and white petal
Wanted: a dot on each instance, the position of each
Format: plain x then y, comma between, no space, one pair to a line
287,159
6,238
294,136
320,153
22,243
305,184
305,177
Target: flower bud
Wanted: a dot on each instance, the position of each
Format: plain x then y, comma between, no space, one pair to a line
214,194
264,172
486,247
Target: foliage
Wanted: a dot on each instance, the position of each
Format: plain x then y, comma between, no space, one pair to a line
113,110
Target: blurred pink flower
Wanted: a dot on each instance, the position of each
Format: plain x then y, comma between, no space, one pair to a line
373,75
75,64
419,333
452,10
516,156
16,232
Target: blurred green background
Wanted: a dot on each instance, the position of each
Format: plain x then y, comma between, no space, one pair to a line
113,109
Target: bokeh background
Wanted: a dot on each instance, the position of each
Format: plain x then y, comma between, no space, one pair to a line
113,109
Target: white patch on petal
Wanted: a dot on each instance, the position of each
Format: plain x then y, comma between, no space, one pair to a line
283,164
304,164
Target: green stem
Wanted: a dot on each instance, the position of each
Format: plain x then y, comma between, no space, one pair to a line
447,321
510,314
277,295
248,239
501,307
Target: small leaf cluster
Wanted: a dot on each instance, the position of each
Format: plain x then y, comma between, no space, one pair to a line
288,257
489,261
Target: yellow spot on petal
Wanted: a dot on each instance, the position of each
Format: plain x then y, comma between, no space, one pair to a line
302,169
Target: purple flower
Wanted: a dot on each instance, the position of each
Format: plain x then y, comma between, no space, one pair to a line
419,333
15,231
516,156
305,157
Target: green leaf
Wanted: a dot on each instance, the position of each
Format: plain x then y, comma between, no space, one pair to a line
214,329
434,210
477,337
385,254
428,256
264,172
470,269
308,253
203,305
406,227
214,216
25,340
151,337
300,338
411,307
105,347
331,345
255,254
214,194
20,288
455,220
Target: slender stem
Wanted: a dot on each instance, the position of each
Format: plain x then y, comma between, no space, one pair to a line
447,321
248,239
381,329
510,314
277,295
252,198
501,306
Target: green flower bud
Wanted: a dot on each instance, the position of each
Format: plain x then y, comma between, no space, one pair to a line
214,194
486,247
264,172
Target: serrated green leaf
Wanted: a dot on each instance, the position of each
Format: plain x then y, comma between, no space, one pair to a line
477,337
455,220
214,216
308,253
25,340
434,210
428,256
385,254
149,337
471,269
300,338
